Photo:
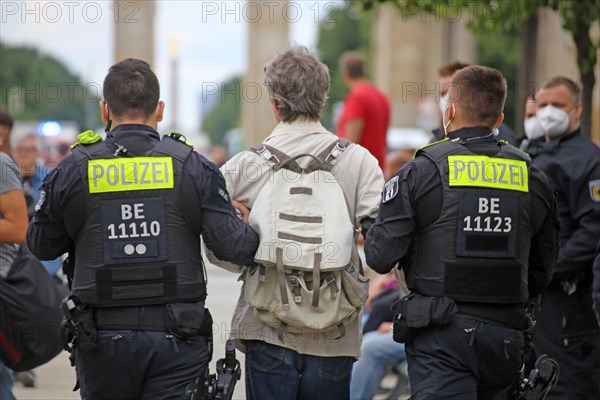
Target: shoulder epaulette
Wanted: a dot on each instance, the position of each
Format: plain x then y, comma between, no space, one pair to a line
178,136
430,144
87,137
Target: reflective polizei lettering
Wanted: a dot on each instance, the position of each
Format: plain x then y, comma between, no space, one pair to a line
140,173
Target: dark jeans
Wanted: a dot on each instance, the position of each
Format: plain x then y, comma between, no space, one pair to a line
139,365
277,373
466,359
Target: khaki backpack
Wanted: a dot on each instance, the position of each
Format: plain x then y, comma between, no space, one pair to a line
309,277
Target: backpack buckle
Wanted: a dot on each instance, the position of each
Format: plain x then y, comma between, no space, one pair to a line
266,154
335,152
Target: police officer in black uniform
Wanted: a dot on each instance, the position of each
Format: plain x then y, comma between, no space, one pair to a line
566,328
131,210
474,226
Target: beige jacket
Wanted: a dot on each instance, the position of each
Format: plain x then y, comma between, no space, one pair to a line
361,180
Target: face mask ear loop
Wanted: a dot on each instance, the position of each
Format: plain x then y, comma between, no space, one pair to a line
447,124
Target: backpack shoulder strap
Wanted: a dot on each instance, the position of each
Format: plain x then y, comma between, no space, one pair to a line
278,158
327,158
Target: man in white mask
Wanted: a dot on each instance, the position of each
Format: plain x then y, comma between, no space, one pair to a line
534,133
566,328
446,72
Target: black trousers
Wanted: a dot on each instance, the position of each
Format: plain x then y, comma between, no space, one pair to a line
466,359
567,331
139,365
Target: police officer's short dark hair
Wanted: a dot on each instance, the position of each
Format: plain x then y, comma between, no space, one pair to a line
480,92
353,63
6,119
131,88
574,87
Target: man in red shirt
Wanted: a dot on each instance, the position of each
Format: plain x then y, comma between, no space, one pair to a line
366,114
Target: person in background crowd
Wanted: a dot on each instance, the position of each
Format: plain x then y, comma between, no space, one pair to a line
567,329
534,133
379,352
33,173
13,226
446,72
6,124
365,117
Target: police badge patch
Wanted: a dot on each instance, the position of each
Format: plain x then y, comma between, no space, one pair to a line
390,189
40,202
595,190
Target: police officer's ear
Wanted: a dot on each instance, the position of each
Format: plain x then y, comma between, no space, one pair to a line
160,109
104,111
578,110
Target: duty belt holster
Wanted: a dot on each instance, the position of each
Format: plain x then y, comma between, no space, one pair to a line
78,326
414,312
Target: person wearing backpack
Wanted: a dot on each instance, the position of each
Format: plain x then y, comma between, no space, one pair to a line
474,225
130,210
13,226
309,194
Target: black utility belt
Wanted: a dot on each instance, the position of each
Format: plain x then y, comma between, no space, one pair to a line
414,312
181,319
141,318
508,315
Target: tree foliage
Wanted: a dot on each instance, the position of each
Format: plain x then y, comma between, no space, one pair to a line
226,111
504,15
40,87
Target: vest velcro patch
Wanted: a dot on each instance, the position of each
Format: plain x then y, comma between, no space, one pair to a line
488,172
126,174
390,189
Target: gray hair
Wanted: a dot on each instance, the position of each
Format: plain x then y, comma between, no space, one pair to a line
298,83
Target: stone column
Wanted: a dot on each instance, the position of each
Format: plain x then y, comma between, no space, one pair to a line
268,33
556,51
134,30
407,51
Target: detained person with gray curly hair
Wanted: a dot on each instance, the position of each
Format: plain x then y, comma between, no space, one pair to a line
297,83
286,361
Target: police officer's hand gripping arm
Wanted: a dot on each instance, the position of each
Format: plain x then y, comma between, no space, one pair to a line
227,236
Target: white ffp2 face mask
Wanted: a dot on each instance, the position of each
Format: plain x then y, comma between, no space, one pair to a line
553,120
443,103
533,129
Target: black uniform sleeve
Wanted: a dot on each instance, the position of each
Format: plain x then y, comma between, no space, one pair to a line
577,252
545,228
389,239
227,236
47,235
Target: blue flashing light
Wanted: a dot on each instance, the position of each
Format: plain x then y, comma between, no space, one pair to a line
49,128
